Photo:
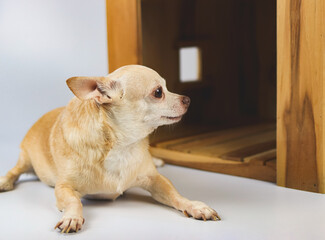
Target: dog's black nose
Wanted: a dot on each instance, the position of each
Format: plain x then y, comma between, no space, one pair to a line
186,101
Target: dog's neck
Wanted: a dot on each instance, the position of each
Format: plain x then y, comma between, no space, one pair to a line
84,126
99,126
126,129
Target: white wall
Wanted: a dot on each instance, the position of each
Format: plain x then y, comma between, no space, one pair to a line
42,43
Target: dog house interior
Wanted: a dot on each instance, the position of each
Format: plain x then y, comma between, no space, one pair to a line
222,54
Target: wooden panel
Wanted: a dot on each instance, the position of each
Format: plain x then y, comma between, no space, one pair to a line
300,88
240,154
123,33
241,151
266,49
256,170
264,156
240,144
231,144
214,137
160,21
237,41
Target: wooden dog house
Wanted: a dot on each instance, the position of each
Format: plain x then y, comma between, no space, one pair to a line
257,86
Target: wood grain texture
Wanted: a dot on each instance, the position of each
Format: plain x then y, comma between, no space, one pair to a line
217,137
264,156
256,170
243,151
300,99
124,35
240,154
231,144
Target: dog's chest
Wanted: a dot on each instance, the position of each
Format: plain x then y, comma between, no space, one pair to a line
119,159
121,165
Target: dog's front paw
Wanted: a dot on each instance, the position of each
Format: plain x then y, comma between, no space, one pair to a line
6,184
200,210
70,223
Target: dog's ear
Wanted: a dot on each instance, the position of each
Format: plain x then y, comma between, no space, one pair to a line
101,89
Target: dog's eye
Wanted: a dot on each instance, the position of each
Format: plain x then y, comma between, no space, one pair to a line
158,92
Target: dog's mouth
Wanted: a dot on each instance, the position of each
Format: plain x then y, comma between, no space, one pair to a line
177,118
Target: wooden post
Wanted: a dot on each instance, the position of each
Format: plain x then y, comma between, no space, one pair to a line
124,33
300,94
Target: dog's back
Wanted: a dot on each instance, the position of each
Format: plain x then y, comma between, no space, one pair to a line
36,147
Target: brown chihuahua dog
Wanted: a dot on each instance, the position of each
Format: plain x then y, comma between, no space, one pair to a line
97,146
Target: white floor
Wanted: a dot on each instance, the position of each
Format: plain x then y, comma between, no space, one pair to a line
250,209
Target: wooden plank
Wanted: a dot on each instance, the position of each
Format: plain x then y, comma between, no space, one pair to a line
231,144
240,154
247,142
123,33
255,170
263,156
221,148
186,157
300,94
271,163
216,137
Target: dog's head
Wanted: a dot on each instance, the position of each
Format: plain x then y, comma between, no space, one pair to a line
134,96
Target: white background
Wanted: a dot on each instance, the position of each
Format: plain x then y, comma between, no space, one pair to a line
44,42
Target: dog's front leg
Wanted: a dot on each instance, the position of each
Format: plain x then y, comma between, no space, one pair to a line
163,191
68,201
